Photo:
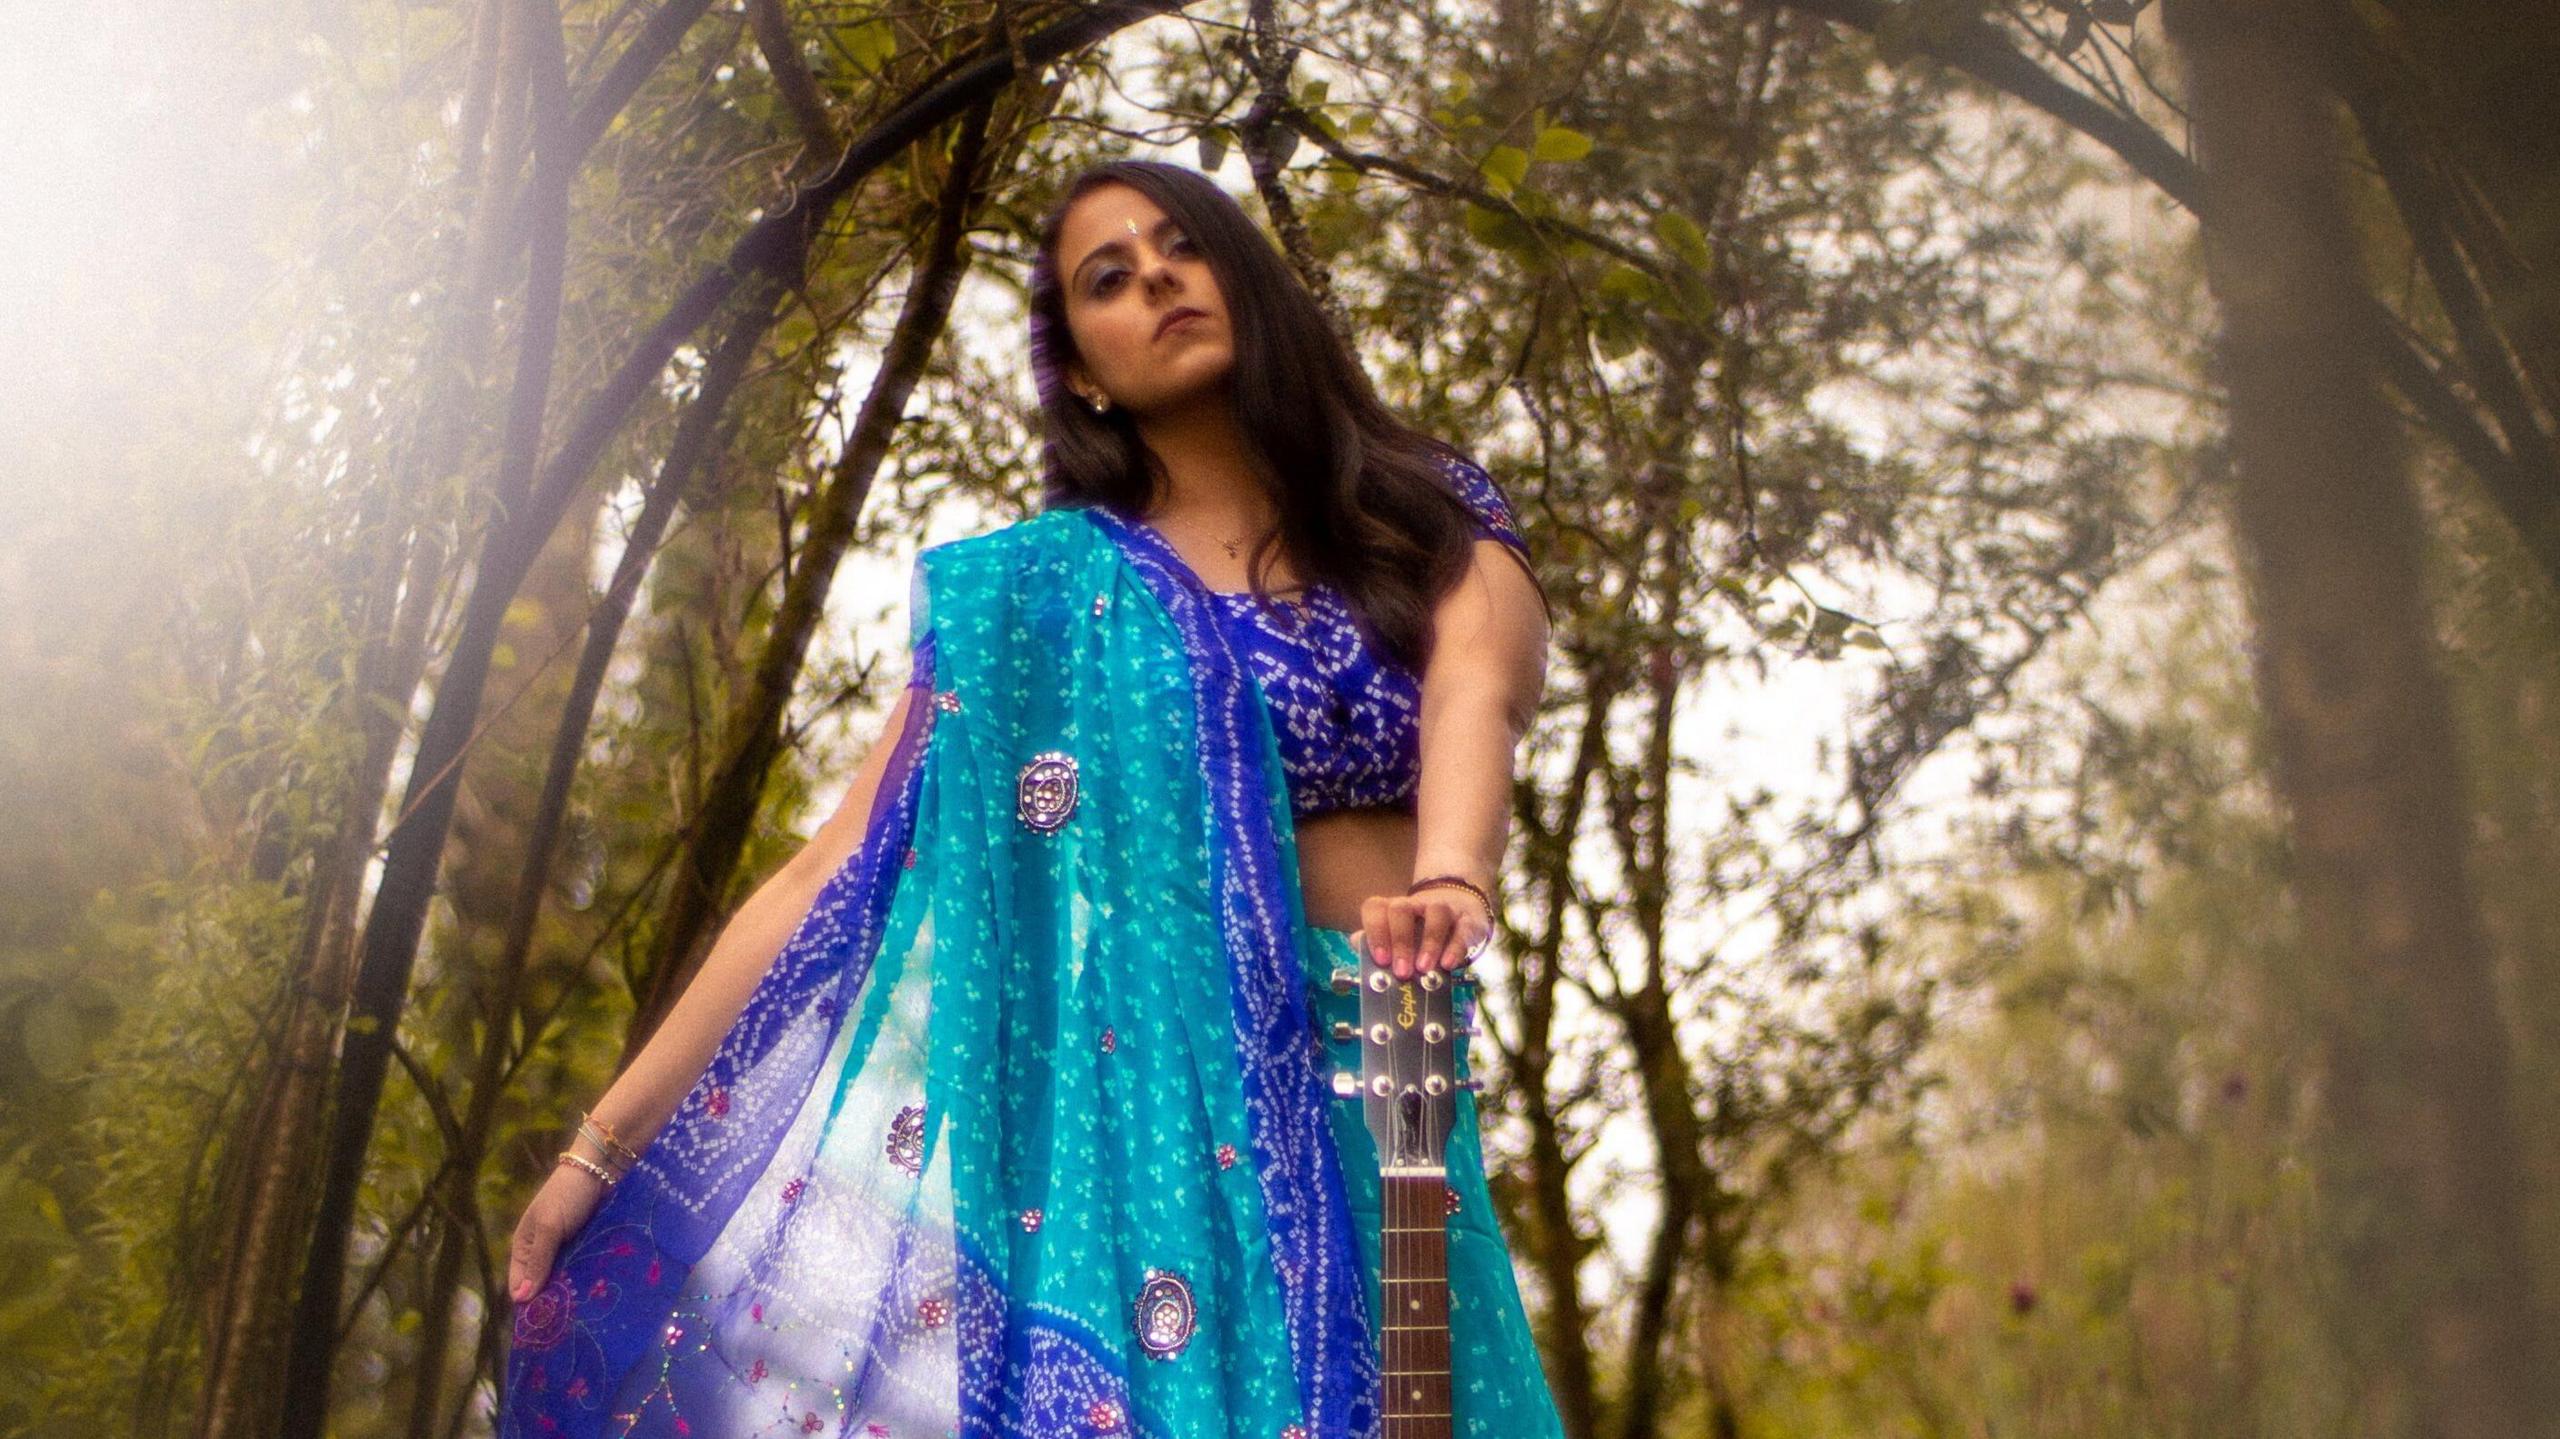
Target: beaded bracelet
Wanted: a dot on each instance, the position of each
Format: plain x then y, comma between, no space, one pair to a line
1455,882
571,1156
1471,887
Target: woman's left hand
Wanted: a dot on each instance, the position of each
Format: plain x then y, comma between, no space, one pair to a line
1411,933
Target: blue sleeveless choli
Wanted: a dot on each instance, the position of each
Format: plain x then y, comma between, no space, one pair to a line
1029,1130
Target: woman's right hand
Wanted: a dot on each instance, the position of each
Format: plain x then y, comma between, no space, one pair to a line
559,1210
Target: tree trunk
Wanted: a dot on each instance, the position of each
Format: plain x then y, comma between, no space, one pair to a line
263,1199
2420,1173
708,860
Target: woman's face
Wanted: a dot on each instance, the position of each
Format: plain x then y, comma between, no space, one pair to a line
1127,269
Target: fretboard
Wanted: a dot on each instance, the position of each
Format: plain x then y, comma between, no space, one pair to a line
1414,1295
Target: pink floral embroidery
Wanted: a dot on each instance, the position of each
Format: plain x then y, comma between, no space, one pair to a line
791,1191
1226,1156
683,1425
577,1388
1294,1431
909,862
1110,1040
932,1313
1452,1198
1104,1416
719,1104
1031,1221
876,1430
544,1319
756,1372
810,1423
654,1271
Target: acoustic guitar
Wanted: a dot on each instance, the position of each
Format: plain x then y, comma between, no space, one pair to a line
1407,1085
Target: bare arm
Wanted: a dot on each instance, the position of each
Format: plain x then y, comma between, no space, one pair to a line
1480,693
644,1097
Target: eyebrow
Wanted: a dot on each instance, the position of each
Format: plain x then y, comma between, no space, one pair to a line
1116,244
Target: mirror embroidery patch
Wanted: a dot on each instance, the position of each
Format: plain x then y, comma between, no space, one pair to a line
1046,793
906,1139
1166,1315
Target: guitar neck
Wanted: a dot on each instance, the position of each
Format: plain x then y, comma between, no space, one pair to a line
1408,1086
1414,1294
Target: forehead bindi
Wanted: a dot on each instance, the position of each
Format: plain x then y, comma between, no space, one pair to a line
1100,227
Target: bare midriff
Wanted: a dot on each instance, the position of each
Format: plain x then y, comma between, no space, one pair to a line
1346,856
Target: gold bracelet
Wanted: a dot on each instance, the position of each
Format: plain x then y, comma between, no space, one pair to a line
571,1156
606,1140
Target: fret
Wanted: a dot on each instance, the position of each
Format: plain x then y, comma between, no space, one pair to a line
1405,1086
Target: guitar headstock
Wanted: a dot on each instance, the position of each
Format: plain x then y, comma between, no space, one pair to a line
1408,1078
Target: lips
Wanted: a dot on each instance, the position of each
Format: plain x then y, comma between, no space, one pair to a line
1176,315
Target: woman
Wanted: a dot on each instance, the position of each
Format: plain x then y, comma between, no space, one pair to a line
1005,1107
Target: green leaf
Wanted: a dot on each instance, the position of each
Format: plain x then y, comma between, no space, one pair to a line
1682,237
1498,229
1504,167
1558,144
1623,281
872,44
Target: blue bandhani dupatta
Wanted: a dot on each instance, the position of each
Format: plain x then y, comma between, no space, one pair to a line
1025,1132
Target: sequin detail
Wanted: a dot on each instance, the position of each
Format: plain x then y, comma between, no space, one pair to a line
948,701
1166,1315
906,1139
1045,794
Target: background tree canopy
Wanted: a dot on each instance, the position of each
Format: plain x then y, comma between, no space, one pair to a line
2030,904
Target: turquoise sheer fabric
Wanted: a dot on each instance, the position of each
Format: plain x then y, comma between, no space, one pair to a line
1029,1130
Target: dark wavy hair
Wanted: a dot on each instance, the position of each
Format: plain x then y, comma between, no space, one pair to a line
1364,499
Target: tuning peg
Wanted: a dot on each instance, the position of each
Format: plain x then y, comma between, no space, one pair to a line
1344,1029
1346,1085
1345,979
1472,1085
